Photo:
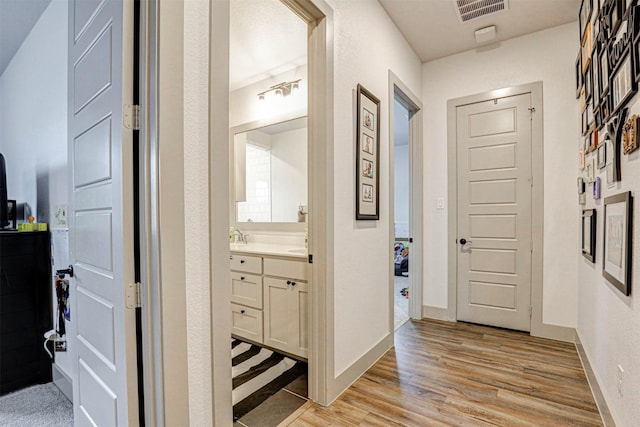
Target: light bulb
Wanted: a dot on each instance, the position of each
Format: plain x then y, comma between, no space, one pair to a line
279,92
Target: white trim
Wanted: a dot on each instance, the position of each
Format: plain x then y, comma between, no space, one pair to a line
220,291
436,313
62,381
538,328
355,371
598,396
397,89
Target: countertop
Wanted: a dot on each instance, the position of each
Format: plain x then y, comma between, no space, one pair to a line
269,249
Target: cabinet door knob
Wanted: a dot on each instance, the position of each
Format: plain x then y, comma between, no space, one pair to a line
293,283
241,311
241,278
288,282
241,261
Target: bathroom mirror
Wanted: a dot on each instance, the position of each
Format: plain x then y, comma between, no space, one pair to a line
269,179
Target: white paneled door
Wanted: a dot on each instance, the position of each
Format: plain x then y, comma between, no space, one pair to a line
100,77
494,212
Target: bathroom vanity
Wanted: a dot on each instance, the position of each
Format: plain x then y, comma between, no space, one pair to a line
269,295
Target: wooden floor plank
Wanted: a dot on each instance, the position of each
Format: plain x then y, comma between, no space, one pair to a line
459,374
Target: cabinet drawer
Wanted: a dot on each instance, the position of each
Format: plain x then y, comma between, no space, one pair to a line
285,268
248,263
246,322
246,289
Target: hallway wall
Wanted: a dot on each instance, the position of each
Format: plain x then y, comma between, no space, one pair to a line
367,46
546,56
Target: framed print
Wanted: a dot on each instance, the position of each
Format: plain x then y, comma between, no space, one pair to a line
588,83
604,72
630,135
602,156
616,257
623,84
578,75
590,170
586,48
589,223
367,155
636,55
580,185
585,14
581,154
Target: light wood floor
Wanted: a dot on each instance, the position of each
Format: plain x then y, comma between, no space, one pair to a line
457,374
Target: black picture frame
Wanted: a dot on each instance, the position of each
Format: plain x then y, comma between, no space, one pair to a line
623,84
617,241
635,51
578,75
368,134
588,82
589,225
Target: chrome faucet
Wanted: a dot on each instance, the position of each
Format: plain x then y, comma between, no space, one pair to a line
242,238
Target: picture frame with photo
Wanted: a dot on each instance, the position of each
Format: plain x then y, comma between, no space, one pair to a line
617,241
623,83
602,156
589,226
585,15
367,155
578,75
630,135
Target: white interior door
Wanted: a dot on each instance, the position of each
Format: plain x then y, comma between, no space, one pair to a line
494,212
101,216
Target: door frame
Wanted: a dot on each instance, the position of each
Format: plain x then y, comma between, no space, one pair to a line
538,328
397,89
319,16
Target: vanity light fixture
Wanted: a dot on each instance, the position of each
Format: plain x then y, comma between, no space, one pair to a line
283,89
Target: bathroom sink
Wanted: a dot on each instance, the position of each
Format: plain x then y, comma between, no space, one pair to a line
298,251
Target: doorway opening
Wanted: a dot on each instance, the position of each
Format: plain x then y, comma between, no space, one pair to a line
405,131
401,244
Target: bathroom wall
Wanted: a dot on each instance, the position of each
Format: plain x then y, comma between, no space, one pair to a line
33,129
513,62
288,174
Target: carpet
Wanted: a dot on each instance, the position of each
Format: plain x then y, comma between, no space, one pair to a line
39,405
259,373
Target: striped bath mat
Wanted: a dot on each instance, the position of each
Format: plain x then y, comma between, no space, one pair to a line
259,373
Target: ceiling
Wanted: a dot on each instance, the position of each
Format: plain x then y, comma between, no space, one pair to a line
266,39
17,18
434,31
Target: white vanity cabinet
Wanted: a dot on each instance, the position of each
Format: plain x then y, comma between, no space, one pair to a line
270,301
286,302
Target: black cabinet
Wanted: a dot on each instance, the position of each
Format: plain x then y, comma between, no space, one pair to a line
25,309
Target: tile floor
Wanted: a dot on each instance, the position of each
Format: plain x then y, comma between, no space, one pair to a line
278,407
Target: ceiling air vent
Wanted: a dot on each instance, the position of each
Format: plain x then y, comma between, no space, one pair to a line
472,9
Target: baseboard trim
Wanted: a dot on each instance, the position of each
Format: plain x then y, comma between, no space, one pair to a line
554,332
601,402
355,371
436,313
62,381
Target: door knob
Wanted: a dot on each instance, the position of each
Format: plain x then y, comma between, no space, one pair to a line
464,241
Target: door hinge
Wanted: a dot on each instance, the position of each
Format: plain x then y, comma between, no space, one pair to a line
134,295
131,117
310,259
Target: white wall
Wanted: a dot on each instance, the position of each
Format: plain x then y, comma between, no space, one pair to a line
609,322
546,56
33,128
33,115
401,190
366,46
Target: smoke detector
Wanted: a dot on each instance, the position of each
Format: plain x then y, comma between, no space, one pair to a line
467,10
485,34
